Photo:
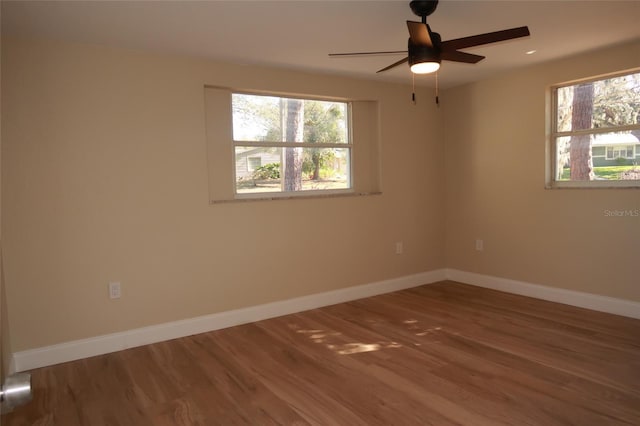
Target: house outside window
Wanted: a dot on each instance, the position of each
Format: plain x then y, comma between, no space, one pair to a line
595,133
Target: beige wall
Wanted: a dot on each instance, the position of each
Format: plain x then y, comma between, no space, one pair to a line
495,160
5,341
105,179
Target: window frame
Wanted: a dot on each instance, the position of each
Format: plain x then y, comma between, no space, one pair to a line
555,134
348,144
365,135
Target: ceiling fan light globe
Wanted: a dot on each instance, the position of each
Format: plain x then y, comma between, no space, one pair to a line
425,67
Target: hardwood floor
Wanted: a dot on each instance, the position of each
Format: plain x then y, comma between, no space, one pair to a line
442,354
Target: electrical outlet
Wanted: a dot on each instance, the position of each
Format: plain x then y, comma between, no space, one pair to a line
399,247
479,245
114,290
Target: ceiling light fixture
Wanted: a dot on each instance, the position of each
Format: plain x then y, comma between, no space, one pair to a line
423,59
425,67
530,52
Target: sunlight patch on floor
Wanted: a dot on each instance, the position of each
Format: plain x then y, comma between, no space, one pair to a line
318,336
326,336
356,348
429,331
420,331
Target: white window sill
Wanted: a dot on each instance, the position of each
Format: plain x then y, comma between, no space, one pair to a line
295,197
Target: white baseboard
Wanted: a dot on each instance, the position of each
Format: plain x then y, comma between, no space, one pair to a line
580,299
12,366
99,345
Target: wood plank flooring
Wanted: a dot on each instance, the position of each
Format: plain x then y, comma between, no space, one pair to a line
442,354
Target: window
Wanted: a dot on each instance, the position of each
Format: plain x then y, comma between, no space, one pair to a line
614,152
253,163
276,146
595,137
295,144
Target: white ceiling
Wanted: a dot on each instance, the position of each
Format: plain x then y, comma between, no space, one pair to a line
300,34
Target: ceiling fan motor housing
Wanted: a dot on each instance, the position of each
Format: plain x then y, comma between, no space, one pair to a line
420,53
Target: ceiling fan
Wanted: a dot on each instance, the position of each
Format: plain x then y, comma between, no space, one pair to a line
426,49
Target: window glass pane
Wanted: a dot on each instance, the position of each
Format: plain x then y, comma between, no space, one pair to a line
597,104
564,99
292,169
620,163
258,118
562,158
265,177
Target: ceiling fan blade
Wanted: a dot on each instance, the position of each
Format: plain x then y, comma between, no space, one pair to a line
391,52
395,64
480,39
419,33
454,55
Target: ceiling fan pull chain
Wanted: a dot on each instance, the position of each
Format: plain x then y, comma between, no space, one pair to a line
413,88
437,99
